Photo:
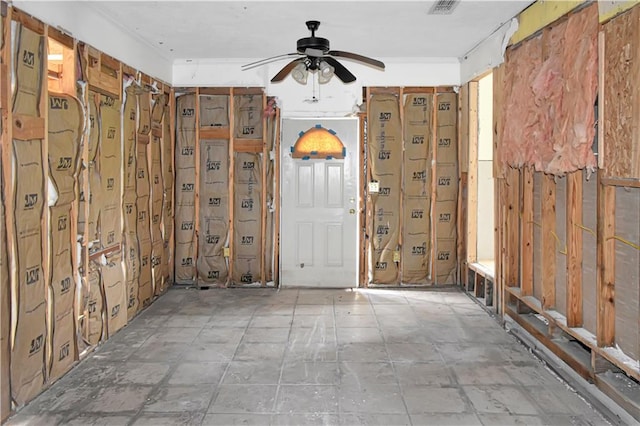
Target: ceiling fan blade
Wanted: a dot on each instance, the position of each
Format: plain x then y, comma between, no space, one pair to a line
268,60
340,71
286,70
356,57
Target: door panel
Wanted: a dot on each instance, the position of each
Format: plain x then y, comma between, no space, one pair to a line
305,184
334,185
319,222
334,244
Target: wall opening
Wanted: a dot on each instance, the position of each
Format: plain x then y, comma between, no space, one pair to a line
484,210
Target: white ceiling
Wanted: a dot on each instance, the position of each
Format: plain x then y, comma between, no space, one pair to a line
179,30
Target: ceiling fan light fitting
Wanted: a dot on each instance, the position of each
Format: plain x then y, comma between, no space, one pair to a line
325,72
300,73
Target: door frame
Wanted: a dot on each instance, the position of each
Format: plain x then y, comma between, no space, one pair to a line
356,175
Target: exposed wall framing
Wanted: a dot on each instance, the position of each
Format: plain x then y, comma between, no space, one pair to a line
226,187
64,282
6,203
569,247
410,196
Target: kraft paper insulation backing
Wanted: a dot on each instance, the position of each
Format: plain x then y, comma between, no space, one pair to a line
416,238
94,323
167,209
110,172
27,72
28,369
143,229
115,292
247,212
446,188
93,176
62,291
66,125
214,110
159,101
130,198
214,211
5,307
248,116
385,160
185,189
157,195
144,111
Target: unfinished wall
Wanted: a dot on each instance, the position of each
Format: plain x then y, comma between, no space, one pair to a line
537,236
143,193
385,140
418,135
5,308
550,85
63,275
65,133
159,101
575,282
247,213
169,190
28,370
129,200
446,260
627,266
185,189
621,155
411,206
214,192
589,252
227,236
5,279
213,210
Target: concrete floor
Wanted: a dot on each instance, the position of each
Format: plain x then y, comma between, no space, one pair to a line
294,357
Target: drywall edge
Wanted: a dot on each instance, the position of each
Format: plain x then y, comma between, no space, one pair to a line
487,54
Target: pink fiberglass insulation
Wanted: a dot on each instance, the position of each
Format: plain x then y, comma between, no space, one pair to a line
549,96
520,114
580,68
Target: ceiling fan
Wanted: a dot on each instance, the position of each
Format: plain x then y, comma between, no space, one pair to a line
314,54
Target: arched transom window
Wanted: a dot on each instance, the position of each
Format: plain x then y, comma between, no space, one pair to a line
318,142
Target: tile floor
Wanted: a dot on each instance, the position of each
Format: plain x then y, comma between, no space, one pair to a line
325,357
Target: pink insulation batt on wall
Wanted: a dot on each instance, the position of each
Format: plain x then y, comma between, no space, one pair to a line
550,89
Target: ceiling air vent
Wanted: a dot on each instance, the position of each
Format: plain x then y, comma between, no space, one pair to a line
443,7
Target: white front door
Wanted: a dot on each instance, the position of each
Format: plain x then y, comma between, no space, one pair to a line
319,219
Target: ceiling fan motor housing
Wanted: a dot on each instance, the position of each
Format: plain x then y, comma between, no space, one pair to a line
315,54
317,43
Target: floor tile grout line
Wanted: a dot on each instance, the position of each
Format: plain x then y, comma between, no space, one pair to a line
165,381
284,354
393,368
510,352
216,391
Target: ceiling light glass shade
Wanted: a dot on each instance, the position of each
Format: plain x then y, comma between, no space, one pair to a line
325,72
300,73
